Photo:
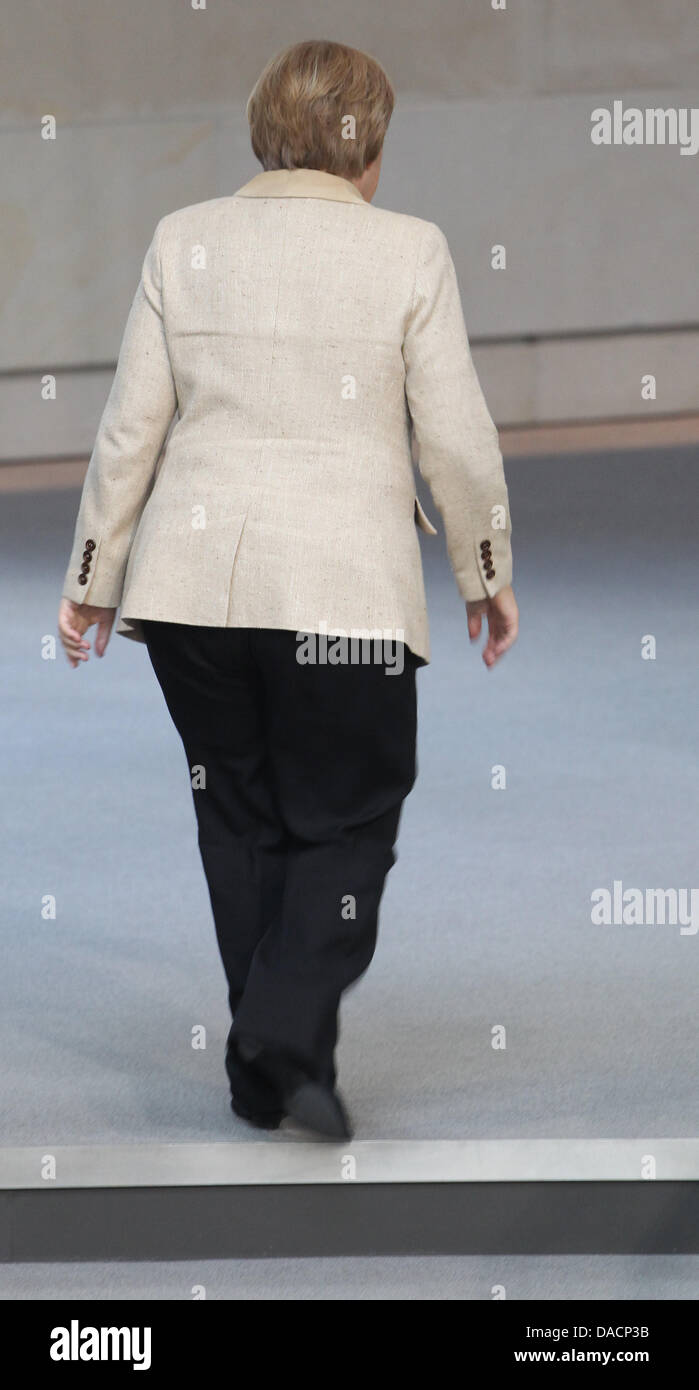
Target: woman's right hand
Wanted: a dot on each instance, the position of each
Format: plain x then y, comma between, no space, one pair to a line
503,623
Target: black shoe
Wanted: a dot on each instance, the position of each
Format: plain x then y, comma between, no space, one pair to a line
252,1091
314,1105
318,1108
265,1119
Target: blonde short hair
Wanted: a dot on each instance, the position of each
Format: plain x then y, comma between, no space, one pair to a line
298,109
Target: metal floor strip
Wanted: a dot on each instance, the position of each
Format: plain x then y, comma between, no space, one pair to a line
396,1161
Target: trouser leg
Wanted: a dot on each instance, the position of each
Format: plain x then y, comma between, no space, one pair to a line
213,694
341,744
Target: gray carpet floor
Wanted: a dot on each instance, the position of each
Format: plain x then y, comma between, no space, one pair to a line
486,916
398,1279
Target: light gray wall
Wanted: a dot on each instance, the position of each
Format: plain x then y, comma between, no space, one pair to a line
490,138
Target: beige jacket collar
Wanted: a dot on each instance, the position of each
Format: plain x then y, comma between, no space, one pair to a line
300,183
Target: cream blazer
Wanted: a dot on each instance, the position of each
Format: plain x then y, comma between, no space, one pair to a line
295,349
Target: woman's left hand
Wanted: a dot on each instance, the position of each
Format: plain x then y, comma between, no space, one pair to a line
73,621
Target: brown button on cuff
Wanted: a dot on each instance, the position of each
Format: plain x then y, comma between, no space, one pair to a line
90,545
82,579
490,574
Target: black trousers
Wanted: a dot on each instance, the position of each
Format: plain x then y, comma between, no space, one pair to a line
298,772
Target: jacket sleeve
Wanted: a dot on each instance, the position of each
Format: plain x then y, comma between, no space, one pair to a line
457,443
135,421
